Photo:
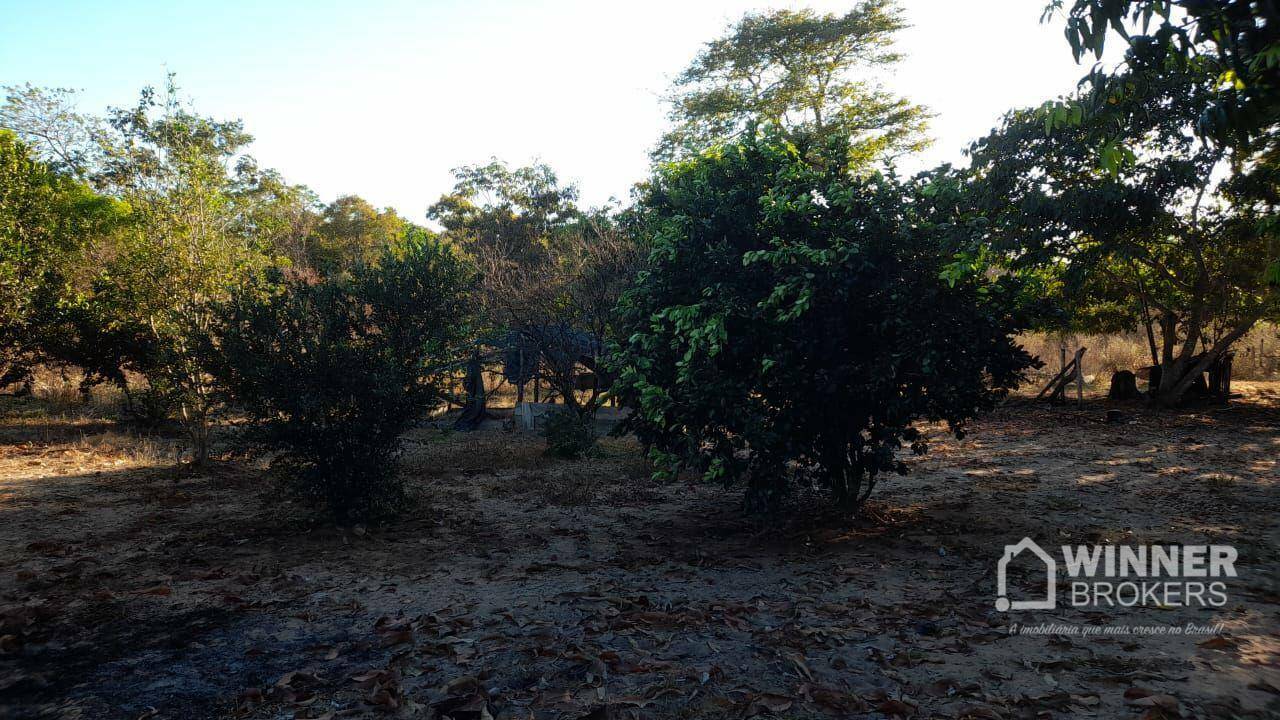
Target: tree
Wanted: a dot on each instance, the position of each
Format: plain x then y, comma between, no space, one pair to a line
794,315
534,248
47,221
351,231
283,217
30,246
550,277
47,120
511,212
183,176
559,304
1175,228
1236,41
795,70
335,371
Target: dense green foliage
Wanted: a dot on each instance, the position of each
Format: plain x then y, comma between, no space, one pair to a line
29,198
47,219
335,371
570,434
1150,196
795,70
183,176
351,231
1235,41
149,216
796,314
1178,232
512,213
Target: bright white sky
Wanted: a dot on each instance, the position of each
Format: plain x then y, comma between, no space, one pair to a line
381,98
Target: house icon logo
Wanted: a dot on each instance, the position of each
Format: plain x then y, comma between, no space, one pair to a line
1003,604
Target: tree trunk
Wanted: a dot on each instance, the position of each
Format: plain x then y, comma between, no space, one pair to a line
520,380
197,423
476,409
200,444
1180,373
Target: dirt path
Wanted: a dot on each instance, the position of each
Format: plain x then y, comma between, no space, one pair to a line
528,587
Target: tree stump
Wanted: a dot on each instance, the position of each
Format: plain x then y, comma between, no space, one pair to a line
1124,386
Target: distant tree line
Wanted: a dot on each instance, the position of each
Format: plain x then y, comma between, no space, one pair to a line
777,306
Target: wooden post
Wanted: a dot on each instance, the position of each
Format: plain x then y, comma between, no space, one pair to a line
1058,386
1080,377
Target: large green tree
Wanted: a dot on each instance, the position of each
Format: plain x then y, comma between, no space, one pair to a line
1178,229
794,322
805,72
514,212
281,216
185,179
48,223
352,231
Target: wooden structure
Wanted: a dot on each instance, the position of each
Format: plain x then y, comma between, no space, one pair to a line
1071,372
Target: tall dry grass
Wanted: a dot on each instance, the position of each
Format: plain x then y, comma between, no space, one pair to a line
1257,354
59,389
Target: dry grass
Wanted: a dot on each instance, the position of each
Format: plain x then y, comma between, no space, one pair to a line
58,389
130,447
1257,354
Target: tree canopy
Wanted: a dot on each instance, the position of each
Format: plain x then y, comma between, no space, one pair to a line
48,220
1235,41
798,70
334,371
794,312
1178,233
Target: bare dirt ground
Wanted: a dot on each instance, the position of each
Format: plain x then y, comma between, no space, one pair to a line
526,587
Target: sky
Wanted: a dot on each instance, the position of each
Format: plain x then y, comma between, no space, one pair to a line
382,98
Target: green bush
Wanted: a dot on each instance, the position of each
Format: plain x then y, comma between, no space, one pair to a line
334,372
794,316
569,433
151,406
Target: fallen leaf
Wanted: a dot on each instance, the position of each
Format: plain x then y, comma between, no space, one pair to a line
768,703
1218,642
895,708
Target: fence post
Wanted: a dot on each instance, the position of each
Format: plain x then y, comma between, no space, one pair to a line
1080,377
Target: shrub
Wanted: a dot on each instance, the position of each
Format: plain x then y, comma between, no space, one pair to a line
150,406
334,372
795,316
570,434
